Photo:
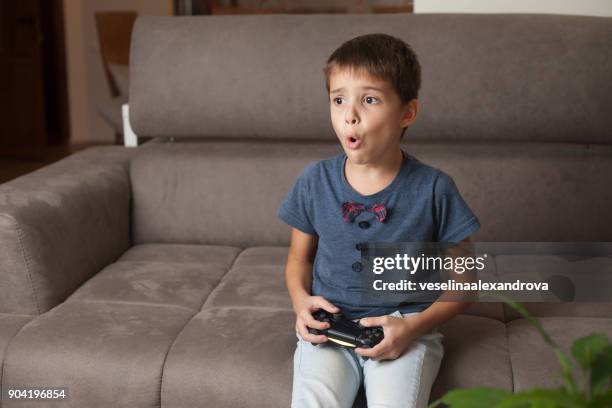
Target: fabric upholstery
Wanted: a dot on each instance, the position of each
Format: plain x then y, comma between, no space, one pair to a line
533,362
590,278
550,192
183,281
210,255
262,256
225,195
252,286
79,202
231,357
493,77
107,354
475,355
569,309
10,324
236,187
257,279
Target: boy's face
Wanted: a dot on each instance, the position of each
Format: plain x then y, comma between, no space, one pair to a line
367,115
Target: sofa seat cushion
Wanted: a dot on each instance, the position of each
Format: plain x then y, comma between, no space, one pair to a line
262,256
107,354
533,362
257,279
232,357
163,274
249,287
475,355
254,348
217,255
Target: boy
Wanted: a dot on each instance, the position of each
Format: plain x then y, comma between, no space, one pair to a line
374,191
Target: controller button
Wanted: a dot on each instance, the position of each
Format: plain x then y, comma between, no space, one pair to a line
359,246
357,267
364,225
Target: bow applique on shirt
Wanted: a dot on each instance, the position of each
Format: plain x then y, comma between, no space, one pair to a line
351,209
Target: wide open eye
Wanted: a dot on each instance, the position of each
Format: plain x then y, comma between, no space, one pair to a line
371,100
336,100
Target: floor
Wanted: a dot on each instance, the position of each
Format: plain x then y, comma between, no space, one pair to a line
11,168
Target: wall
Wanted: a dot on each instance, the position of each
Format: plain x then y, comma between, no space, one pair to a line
87,84
583,7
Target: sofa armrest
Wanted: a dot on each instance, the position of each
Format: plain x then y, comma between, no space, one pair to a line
60,225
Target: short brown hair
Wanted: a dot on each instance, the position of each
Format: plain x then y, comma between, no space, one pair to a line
383,56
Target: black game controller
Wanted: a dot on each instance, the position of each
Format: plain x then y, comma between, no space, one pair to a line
346,332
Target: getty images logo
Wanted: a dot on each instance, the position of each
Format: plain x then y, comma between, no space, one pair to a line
413,264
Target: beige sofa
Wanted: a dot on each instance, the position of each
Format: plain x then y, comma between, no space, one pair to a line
153,276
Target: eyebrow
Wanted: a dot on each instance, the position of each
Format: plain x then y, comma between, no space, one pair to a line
364,87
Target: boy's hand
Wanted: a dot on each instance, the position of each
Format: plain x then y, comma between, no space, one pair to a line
399,333
303,310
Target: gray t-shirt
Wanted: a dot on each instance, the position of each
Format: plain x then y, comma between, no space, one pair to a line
423,205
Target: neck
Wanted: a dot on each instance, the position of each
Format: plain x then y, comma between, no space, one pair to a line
389,163
370,178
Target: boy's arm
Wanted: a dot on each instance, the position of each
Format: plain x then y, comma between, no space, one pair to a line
298,272
441,310
298,277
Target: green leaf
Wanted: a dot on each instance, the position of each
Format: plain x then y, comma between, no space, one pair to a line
483,397
601,372
601,401
544,398
586,349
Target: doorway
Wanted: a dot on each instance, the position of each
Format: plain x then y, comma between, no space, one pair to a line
34,95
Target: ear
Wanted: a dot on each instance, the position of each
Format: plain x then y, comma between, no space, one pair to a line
409,113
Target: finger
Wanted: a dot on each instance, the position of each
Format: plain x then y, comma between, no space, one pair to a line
368,352
312,338
382,357
388,355
312,322
373,321
327,305
373,352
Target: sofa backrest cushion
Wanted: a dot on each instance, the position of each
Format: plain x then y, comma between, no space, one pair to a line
484,76
221,193
227,193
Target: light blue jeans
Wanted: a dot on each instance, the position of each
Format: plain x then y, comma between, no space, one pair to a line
329,376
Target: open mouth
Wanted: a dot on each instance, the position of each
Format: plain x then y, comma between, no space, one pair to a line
353,142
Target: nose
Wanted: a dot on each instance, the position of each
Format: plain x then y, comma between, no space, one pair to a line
351,117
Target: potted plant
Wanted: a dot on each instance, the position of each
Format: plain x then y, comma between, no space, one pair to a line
593,353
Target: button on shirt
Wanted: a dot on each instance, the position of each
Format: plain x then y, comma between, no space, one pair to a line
423,205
